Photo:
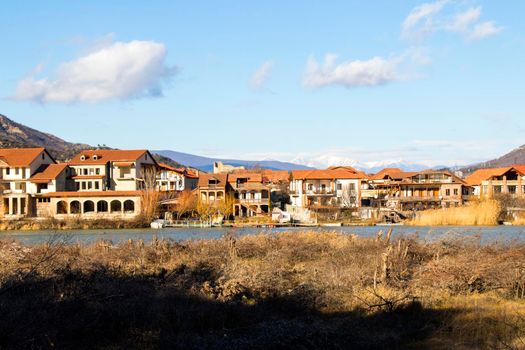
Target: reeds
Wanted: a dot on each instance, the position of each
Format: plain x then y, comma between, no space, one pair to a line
285,290
481,213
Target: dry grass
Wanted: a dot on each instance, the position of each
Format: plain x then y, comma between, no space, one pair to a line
482,213
289,290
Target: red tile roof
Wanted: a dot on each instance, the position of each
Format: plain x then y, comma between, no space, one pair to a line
222,179
20,157
105,155
393,173
485,174
48,172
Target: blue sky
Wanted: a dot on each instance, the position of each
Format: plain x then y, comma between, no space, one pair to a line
314,82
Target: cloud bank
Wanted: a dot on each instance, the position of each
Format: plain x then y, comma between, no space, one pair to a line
119,70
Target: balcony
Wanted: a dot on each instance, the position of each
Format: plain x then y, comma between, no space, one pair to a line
253,201
320,192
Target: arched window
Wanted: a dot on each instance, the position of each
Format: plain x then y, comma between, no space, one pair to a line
129,206
89,207
116,206
61,207
74,207
102,206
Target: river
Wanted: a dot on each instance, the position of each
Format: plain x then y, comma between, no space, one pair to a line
482,234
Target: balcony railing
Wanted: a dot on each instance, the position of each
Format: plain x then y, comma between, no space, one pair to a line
319,192
253,200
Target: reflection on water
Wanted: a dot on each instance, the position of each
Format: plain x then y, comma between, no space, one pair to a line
483,234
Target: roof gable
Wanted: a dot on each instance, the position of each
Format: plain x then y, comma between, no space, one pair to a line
20,157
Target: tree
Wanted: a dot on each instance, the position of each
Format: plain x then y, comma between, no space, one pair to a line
348,196
150,195
186,202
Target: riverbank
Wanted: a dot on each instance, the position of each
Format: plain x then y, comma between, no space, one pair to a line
71,224
285,290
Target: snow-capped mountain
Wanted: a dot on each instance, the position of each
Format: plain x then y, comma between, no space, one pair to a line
325,161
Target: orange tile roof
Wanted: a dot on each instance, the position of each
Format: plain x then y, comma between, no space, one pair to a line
191,174
80,194
276,176
519,167
20,157
169,167
107,155
48,172
250,176
484,174
222,178
394,173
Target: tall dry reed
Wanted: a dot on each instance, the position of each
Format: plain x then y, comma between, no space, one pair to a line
479,213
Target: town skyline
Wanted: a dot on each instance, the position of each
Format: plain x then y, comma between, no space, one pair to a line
327,84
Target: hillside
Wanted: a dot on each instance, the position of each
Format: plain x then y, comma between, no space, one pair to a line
516,156
13,134
206,163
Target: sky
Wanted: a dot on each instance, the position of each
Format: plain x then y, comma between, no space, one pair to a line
315,82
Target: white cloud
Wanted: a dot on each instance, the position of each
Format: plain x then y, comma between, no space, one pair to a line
447,16
422,18
261,75
357,73
118,70
484,30
464,20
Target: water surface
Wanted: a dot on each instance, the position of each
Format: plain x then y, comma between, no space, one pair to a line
482,234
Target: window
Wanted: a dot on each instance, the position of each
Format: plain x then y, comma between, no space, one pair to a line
125,172
310,187
91,171
447,192
339,186
85,171
83,185
97,185
7,171
43,156
97,171
512,189
17,171
456,191
90,185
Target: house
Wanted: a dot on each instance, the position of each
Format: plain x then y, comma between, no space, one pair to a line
336,187
213,188
26,173
382,185
251,194
427,189
493,181
104,183
176,179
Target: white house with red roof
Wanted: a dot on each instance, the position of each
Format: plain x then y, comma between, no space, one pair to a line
176,179
25,173
336,187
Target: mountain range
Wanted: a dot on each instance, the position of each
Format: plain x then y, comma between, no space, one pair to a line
13,134
206,163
